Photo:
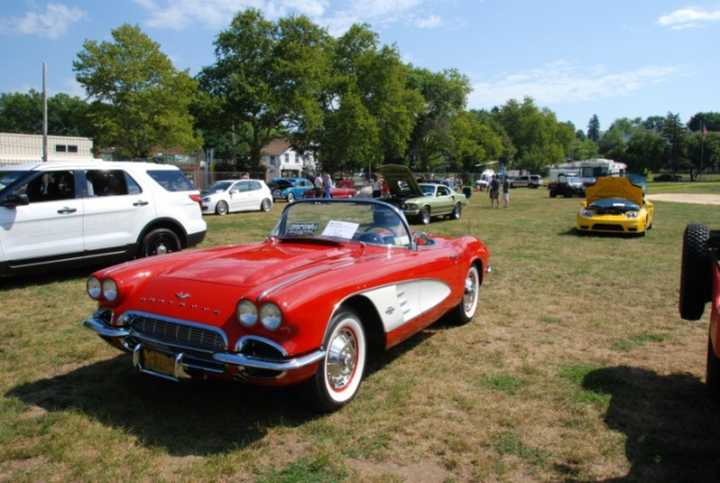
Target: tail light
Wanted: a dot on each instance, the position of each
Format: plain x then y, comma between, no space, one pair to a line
196,198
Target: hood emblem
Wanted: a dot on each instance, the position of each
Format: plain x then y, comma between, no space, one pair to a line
183,295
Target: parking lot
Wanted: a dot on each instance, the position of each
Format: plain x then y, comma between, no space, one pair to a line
576,367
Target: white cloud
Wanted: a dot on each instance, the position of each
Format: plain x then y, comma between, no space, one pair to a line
178,14
428,22
53,22
688,17
562,82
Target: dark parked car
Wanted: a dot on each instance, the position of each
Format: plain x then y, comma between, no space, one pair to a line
567,186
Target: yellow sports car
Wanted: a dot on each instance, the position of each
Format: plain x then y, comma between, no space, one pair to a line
616,204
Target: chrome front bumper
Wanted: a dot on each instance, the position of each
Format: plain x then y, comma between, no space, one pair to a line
186,362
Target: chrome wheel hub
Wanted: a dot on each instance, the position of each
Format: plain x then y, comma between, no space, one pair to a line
471,292
341,359
161,249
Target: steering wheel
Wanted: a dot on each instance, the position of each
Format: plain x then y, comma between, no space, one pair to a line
378,235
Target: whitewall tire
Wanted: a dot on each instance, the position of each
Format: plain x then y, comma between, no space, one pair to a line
466,309
340,373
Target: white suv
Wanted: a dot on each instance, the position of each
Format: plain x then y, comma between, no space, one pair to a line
66,213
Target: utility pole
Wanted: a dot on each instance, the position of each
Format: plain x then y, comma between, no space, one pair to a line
45,115
702,149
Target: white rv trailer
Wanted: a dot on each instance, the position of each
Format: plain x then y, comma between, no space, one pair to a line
588,170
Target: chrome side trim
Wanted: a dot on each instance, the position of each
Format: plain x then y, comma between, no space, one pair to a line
69,259
288,365
104,330
149,315
244,339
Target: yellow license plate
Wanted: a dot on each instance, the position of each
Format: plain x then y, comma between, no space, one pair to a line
158,362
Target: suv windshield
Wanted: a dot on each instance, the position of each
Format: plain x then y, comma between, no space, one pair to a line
9,177
369,222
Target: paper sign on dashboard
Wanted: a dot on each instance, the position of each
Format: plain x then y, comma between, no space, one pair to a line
340,229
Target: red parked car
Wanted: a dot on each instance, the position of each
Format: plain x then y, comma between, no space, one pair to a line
700,284
335,279
343,189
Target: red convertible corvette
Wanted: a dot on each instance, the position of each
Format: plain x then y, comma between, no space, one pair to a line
335,279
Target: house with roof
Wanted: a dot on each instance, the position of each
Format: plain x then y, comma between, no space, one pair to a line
280,159
25,148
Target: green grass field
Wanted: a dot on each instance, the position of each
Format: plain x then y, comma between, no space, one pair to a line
577,367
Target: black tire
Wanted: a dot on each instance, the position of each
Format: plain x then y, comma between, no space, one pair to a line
266,205
424,216
712,372
159,242
346,357
696,272
466,309
291,197
221,208
457,211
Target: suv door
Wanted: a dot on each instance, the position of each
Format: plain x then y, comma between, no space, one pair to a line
116,209
50,225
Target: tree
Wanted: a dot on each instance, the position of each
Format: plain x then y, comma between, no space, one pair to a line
22,113
445,94
707,146
710,120
645,150
593,131
139,100
654,123
269,79
675,133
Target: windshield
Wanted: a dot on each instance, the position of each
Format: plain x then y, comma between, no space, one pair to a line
370,222
219,186
9,177
427,189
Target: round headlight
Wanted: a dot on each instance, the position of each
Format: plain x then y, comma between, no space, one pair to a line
247,313
94,289
110,291
586,213
270,316
631,214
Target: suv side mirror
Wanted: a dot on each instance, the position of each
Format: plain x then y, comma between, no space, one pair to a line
234,191
13,200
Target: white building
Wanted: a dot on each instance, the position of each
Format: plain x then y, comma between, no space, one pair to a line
27,148
280,159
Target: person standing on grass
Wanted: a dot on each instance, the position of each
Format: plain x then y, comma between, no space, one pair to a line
327,185
506,192
494,191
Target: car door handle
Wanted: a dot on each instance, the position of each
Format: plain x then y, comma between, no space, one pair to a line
67,210
141,203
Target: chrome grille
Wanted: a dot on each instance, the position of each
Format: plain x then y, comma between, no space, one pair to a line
176,333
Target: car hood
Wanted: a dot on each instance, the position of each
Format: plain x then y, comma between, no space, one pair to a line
614,187
259,264
400,181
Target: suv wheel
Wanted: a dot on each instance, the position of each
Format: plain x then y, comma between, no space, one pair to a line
696,272
159,242
221,208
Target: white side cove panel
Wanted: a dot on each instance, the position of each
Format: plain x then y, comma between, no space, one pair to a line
398,304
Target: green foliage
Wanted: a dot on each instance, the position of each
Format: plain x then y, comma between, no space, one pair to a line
593,131
536,133
709,120
22,113
139,100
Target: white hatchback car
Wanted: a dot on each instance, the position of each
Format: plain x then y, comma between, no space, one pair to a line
229,195
71,213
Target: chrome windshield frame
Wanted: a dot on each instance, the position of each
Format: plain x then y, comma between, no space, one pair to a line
354,201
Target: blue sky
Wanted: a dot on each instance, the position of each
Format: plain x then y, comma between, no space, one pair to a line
613,57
